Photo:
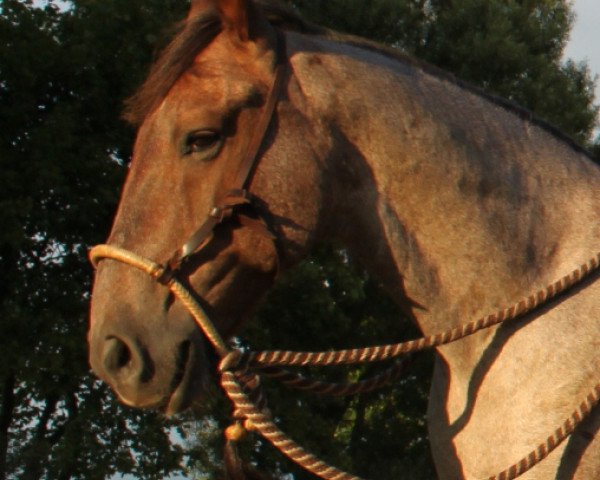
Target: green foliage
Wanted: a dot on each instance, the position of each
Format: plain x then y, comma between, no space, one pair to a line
514,49
328,302
398,23
63,77
63,151
510,48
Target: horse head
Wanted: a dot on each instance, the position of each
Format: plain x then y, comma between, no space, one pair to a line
198,113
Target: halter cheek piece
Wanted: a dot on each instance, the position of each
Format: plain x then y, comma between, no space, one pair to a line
237,195
239,376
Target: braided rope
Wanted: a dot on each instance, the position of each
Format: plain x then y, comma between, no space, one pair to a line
385,352
255,419
156,271
234,368
553,441
262,423
300,382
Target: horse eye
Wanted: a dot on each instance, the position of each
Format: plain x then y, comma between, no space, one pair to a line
202,141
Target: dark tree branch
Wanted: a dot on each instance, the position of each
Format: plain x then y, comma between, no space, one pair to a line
39,445
6,416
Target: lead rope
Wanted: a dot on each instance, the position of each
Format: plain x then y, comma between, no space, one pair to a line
242,386
385,352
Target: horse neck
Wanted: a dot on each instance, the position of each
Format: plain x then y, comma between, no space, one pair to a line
460,206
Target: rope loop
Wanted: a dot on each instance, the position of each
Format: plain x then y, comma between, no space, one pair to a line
235,432
231,361
242,384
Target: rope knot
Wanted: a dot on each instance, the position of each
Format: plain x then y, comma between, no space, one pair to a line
243,423
235,432
231,361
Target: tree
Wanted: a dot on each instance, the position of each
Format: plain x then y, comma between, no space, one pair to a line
63,153
512,49
63,77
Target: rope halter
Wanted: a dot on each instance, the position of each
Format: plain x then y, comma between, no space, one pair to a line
241,383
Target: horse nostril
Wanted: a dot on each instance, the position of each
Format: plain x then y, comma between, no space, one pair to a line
117,356
126,361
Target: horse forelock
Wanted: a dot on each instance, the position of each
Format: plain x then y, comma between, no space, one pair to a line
193,36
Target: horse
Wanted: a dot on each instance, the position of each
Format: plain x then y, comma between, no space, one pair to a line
459,202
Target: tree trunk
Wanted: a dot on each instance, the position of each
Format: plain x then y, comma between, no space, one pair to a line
39,447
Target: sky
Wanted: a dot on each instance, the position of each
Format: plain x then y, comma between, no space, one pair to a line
584,44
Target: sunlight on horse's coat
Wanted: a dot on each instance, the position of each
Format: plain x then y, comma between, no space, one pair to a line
458,202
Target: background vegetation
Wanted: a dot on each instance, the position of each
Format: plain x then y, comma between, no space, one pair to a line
64,73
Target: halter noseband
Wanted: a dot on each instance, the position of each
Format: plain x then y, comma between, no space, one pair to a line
237,194
240,383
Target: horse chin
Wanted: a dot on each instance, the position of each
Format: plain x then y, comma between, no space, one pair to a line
190,382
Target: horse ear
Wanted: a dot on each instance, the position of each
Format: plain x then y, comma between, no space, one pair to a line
199,6
239,16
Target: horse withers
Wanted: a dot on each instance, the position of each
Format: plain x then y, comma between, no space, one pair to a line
459,202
